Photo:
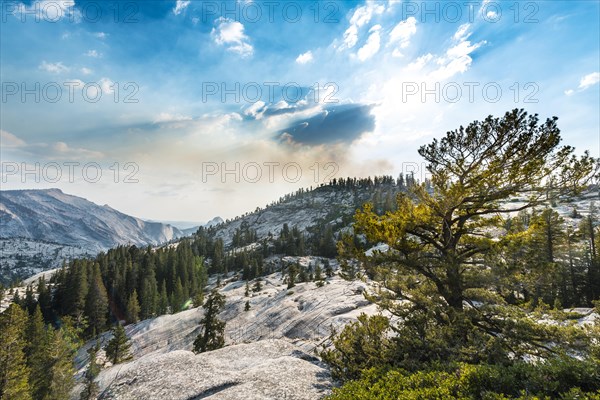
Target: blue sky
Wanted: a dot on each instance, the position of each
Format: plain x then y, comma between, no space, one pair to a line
169,95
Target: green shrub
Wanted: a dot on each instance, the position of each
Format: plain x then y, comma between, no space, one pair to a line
360,345
558,378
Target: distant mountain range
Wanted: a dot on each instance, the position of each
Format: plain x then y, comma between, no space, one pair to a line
39,228
189,227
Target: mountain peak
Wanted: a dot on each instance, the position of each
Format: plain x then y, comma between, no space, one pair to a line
215,221
44,216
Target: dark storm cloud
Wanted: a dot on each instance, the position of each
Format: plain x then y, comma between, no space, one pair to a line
337,123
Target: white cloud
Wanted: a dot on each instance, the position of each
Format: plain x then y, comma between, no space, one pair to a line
54,68
484,4
362,16
457,58
230,33
462,49
462,32
9,140
107,86
585,82
305,58
74,82
181,6
93,53
168,117
351,36
103,87
492,15
402,33
372,45
101,35
62,149
256,109
280,105
589,80
86,71
44,150
420,62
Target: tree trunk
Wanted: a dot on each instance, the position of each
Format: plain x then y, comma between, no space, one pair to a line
455,291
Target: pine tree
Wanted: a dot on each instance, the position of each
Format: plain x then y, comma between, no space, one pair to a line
247,306
257,287
246,272
96,305
591,233
59,365
439,246
118,348
257,269
318,273
218,264
198,299
35,333
30,302
177,297
14,373
77,292
302,275
91,389
45,299
328,269
301,247
327,246
36,352
149,295
292,271
247,291
16,299
163,300
201,277
212,336
545,235
133,308
389,203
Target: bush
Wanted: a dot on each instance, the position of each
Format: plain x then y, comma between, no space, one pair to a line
397,384
360,345
558,378
552,377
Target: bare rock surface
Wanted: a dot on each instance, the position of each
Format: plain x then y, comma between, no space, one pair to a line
268,369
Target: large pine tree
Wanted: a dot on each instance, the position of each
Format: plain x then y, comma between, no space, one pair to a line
14,373
163,300
60,372
440,238
118,348
91,389
36,353
96,305
148,294
212,336
133,308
